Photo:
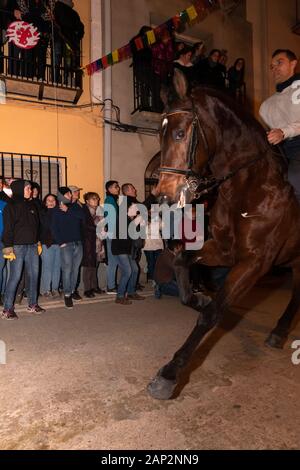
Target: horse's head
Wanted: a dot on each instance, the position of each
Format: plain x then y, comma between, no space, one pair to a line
184,145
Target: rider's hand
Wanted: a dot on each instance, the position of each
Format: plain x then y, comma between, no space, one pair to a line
275,136
39,248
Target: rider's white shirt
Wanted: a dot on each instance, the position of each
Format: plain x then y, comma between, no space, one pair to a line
282,110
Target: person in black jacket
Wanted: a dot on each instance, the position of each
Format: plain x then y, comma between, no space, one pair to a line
210,72
20,239
68,32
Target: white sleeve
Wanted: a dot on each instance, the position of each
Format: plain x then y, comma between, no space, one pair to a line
292,130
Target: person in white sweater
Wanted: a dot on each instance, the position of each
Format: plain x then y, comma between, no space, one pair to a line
281,112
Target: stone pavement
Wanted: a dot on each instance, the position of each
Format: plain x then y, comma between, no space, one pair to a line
77,379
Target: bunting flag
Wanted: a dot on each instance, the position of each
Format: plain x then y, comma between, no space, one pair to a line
196,12
151,37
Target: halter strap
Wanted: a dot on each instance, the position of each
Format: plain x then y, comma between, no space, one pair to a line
193,144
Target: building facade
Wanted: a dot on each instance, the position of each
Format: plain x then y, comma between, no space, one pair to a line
41,119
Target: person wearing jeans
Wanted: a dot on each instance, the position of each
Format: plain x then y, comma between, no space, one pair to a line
124,252
66,225
50,276
20,240
28,255
2,260
71,256
129,274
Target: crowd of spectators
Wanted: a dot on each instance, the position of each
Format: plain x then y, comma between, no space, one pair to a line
154,67
50,247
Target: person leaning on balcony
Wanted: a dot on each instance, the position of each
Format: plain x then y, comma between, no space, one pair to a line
185,64
21,245
281,112
68,33
163,56
66,226
31,63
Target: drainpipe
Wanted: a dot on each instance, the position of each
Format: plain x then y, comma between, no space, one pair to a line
107,87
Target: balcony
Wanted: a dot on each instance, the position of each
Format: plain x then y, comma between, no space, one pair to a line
21,79
147,103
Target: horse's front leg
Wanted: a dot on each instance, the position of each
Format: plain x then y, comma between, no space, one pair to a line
239,281
187,297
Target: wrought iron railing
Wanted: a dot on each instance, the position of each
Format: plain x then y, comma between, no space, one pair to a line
48,171
147,88
64,75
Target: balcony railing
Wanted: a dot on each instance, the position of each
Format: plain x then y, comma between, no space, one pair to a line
44,82
147,87
48,171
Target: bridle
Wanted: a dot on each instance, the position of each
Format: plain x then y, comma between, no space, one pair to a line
199,185
197,130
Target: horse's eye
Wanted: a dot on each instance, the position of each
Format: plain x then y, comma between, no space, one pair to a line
179,135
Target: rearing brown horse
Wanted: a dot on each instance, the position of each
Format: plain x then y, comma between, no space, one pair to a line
255,222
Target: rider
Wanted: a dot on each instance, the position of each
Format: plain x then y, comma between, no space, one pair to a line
281,112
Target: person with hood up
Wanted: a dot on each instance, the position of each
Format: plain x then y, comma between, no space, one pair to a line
21,245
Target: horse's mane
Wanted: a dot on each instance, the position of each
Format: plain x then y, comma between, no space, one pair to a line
235,110
230,105
246,118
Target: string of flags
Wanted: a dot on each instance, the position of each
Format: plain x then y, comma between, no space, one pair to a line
194,13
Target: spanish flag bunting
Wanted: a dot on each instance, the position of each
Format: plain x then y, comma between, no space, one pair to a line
151,37
176,21
197,11
99,64
139,43
192,13
104,62
110,59
122,53
115,56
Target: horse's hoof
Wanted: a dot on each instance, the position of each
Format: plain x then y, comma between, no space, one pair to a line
274,341
161,388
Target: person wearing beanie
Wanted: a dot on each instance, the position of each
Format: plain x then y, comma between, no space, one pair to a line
66,225
63,195
20,240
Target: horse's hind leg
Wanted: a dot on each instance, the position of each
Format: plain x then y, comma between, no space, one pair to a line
279,335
